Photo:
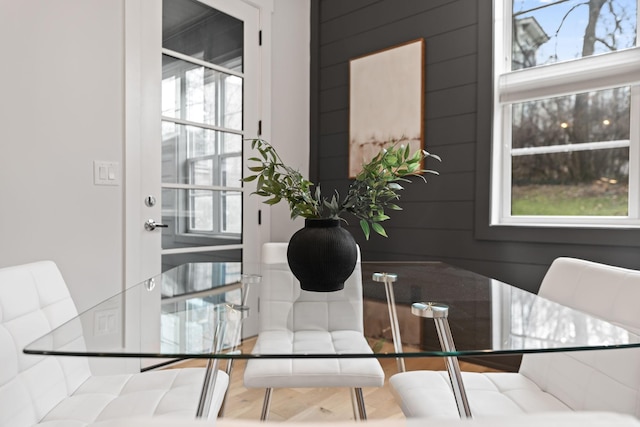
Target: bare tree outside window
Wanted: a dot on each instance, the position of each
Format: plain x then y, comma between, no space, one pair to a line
570,154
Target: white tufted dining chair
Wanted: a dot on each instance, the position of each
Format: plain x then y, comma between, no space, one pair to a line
61,390
607,380
293,320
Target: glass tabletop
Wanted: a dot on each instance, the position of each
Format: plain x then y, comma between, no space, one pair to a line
191,310
487,316
196,311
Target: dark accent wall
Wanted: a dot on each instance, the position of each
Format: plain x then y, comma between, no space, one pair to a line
447,218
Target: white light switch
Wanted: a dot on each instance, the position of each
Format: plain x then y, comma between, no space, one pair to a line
106,173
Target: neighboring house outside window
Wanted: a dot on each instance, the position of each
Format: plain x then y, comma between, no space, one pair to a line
566,134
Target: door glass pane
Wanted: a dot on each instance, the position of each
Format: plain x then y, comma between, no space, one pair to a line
232,107
196,277
200,217
193,155
170,261
201,161
546,32
199,94
196,30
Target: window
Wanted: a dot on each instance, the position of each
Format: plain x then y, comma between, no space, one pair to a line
566,132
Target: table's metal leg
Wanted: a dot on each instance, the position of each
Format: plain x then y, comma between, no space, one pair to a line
247,280
446,342
208,386
211,373
357,403
266,404
439,313
388,279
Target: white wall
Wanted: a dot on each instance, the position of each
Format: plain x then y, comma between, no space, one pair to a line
62,86
290,99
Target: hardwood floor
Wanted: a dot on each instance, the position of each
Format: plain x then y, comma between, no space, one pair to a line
320,404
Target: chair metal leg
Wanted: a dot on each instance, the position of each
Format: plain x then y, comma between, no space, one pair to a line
266,405
357,400
228,370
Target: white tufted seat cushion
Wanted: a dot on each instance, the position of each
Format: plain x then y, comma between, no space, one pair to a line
428,394
61,391
312,372
297,321
591,380
171,393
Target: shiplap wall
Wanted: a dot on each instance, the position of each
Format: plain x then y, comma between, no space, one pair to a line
447,218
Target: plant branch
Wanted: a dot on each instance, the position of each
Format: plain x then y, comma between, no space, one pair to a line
374,189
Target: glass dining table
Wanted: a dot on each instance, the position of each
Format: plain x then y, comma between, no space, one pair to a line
196,311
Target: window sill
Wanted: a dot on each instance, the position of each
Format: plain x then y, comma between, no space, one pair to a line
628,236
566,222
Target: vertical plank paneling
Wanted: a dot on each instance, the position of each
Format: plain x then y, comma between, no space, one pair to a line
440,219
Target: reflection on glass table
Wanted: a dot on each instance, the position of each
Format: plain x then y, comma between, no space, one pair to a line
491,318
196,311
192,309
189,293
181,312
171,315
486,316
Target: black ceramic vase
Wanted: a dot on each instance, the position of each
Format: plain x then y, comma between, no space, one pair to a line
322,255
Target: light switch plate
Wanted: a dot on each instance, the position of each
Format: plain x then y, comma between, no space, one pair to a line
105,322
106,173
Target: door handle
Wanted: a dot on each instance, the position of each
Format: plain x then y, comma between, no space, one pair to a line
151,225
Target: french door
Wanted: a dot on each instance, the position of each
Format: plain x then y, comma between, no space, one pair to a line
204,123
195,65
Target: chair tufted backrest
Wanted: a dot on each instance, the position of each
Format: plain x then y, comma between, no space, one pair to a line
283,305
34,299
592,380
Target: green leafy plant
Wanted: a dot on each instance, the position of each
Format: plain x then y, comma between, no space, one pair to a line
373,191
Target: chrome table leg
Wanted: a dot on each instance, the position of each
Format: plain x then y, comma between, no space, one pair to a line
211,372
439,313
388,279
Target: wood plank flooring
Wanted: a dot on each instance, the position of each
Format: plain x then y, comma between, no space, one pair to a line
320,404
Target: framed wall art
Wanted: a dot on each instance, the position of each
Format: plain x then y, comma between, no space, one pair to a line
386,101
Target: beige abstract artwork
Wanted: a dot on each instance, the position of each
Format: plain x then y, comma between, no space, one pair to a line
386,101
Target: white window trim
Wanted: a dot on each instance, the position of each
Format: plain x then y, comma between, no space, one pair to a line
597,72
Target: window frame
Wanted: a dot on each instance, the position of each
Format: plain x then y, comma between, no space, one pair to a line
587,74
